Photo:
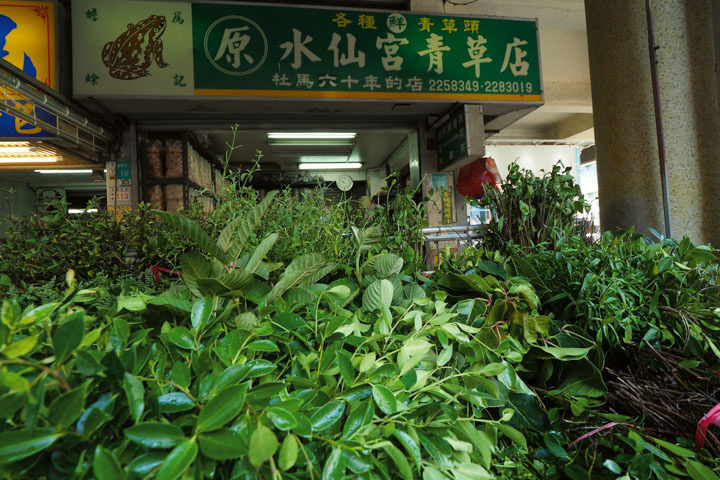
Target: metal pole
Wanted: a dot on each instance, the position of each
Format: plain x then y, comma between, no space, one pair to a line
658,121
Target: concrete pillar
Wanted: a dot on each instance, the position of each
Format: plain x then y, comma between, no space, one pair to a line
627,154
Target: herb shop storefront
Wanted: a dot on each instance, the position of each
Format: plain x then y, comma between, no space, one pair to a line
329,95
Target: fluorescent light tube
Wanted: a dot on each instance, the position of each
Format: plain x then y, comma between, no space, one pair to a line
323,158
312,135
29,159
330,166
58,170
5,149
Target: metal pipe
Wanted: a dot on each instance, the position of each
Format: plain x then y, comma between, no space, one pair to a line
451,237
658,120
46,126
52,106
453,228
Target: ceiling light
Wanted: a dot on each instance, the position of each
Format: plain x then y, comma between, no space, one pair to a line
59,170
6,149
323,158
312,135
298,139
97,176
330,166
29,159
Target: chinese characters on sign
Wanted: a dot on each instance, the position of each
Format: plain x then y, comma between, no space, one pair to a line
355,54
460,139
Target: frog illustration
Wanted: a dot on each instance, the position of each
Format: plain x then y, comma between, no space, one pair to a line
130,55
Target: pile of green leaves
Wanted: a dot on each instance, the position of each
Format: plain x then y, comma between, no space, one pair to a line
530,210
39,248
626,290
231,378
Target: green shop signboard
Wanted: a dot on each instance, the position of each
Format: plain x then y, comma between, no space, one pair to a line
283,51
144,48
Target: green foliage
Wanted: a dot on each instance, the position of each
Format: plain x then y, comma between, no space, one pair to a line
626,290
530,210
41,248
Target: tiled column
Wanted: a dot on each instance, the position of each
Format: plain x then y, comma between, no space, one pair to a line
627,153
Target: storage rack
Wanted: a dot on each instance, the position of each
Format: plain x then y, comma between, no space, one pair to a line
154,173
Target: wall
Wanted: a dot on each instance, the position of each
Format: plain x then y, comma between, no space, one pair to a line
533,157
19,203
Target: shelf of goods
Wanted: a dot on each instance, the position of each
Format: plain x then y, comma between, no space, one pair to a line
176,171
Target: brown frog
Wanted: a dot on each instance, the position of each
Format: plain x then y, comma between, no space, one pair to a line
130,55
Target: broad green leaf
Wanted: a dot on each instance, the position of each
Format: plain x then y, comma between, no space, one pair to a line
281,418
445,356
612,466
288,453
20,348
202,310
175,402
367,363
386,264
378,294
222,445
178,461
135,395
155,434
401,463
225,406
513,434
664,264
194,266
493,369
263,445
143,464
584,380
354,421
181,337
334,466
368,237
67,337
411,446
263,346
16,445
346,367
195,233
180,374
106,465
303,271
68,407
566,353
254,264
38,314
472,471
233,283
384,399
698,471
234,237
355,462
676,449
327,415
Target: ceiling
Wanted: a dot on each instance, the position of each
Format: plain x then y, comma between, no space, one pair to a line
372,147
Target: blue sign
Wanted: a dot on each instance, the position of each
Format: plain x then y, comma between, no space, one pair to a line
14,128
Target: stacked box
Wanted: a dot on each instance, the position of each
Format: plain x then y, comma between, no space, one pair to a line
155,196
175,197
153,160
174,159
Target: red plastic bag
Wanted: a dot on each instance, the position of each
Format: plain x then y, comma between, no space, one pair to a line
473,177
